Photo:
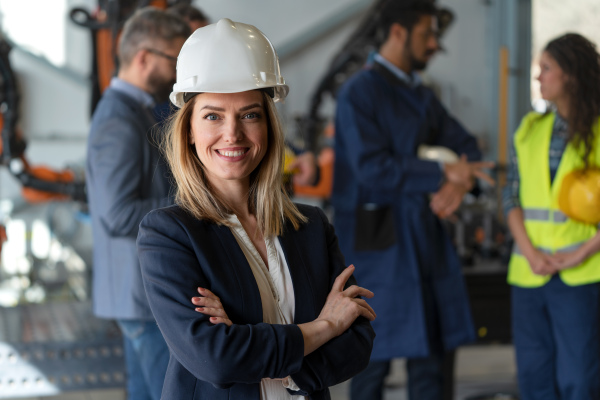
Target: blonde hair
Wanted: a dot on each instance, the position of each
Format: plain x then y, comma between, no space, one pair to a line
267,197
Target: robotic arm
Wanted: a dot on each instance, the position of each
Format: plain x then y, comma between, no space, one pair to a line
40,183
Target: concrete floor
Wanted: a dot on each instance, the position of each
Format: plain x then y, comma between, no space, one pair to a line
479,370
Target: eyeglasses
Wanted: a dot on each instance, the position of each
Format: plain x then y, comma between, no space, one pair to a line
161,54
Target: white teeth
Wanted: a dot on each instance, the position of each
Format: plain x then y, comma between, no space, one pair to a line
236,153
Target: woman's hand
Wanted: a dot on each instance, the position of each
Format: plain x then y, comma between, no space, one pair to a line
540,263
339,312
567,260
209,304
342,307
463,172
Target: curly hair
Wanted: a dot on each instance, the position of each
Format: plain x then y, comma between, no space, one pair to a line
580,61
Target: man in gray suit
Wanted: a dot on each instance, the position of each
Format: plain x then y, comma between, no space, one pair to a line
127,178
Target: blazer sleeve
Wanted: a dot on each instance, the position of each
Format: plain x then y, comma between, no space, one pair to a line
344,356
115,157
218,354
368,146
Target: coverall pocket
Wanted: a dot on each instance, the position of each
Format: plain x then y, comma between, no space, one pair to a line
374,228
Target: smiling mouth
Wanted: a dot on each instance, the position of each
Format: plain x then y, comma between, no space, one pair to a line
232,153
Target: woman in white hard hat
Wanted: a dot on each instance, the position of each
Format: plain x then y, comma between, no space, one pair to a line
288,322
555,266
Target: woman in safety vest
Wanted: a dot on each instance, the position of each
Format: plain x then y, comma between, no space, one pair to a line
555,266
289,321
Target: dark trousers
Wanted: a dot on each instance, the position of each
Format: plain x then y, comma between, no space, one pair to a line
429,378
556,336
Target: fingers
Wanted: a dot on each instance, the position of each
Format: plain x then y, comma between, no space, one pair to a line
475,168
340,281
210,304
449,208
482,175
543,266
446,201
212,311
207,293
355,291
206,302
365,309
482,164
441,201
219,320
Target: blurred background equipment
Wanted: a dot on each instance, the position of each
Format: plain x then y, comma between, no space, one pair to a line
40,183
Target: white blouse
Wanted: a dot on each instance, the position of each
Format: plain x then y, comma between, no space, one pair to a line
277,296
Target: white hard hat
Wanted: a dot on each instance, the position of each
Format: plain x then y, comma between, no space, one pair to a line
227,57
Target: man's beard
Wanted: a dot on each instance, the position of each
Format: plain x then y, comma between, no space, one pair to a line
159,87
415,63
420,65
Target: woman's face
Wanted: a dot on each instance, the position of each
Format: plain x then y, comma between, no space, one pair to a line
230,134
552,79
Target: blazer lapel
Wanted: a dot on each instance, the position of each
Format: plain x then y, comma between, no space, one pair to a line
303,291
238,265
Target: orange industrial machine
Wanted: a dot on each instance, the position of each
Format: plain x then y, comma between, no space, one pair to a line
105,24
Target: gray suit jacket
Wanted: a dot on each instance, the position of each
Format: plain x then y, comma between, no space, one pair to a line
126,178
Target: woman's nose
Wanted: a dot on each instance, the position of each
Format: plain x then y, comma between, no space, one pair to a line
232,131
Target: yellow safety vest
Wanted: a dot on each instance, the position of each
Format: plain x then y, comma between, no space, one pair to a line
548,228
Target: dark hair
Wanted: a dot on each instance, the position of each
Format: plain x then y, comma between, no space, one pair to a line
187,12
580,61
405,12
147,26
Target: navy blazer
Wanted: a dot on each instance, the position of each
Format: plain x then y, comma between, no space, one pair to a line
126,178
178,253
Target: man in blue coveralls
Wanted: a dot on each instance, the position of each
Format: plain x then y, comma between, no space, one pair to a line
388,205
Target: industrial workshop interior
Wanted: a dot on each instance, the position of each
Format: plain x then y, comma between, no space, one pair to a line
406,145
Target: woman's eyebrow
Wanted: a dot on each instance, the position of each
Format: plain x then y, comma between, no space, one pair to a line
248,107
209,107
251,106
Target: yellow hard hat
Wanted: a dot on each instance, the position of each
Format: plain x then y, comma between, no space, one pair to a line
579,196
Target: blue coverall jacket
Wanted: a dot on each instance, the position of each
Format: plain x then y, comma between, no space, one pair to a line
382,215
179,253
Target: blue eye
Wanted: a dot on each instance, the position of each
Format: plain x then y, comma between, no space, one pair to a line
252,115
211,117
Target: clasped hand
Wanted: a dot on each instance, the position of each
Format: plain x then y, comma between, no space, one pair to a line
460,178
548,264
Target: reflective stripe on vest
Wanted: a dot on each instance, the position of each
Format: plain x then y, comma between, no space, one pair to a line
541,214
546,250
